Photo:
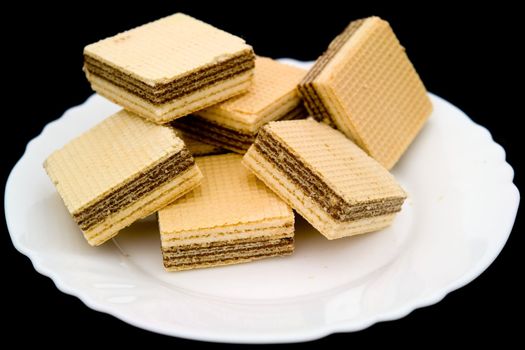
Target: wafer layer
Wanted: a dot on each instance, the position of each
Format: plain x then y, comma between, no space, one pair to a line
233,124
231,218
365,85
325,177
119,171
165,69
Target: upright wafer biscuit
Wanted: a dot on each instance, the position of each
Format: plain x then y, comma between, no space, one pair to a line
233,124
169,68
231,218
121,170
325,177
365,85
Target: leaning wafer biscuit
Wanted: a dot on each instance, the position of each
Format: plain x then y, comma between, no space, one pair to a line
365,85
325,177
169,68
231,218
123,169
233,124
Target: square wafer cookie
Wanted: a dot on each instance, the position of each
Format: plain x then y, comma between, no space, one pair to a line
365,85
231,218
170,67
119,171
325,177
233,124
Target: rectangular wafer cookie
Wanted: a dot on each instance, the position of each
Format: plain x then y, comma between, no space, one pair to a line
121,170
325,177
233,124
365,85
170,67
231,218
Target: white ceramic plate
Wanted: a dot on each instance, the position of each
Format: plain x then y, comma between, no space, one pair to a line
461,208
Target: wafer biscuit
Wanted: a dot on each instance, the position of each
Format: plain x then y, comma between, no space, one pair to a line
169,68
365,85
121,170
233,124
198,148
231,218
325,177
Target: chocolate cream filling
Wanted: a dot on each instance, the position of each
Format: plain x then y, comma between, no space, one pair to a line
206,245
316,106
212,257
231,260
220,135
232,246
187,84
313,101
134,190
315,188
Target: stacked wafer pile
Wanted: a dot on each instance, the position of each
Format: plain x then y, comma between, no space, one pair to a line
318,142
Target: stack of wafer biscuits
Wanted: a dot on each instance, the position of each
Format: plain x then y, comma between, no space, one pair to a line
192,93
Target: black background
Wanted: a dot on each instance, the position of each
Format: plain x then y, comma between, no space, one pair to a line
468,55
